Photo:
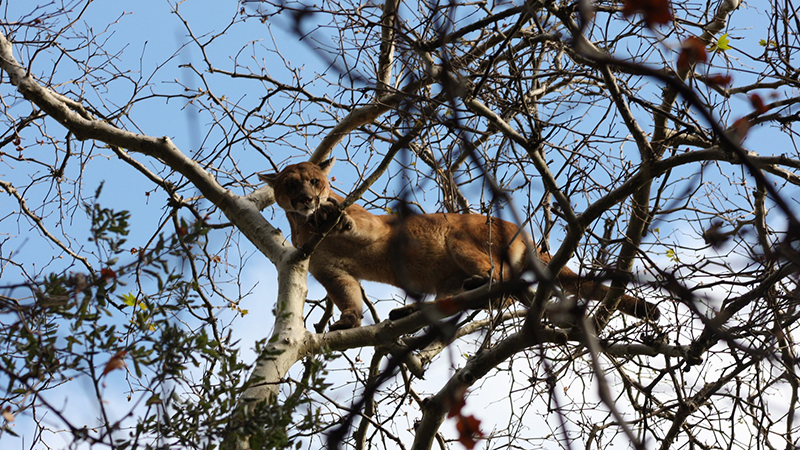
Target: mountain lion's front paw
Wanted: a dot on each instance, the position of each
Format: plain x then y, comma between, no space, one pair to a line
345,221
329,211
325,213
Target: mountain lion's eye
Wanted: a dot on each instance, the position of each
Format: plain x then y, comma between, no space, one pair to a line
314,182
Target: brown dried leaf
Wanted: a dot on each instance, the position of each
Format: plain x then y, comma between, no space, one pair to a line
116,362
7,414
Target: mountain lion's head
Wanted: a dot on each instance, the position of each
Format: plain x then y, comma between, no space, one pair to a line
300,188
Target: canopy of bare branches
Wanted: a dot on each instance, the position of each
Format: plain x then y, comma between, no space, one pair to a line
150,296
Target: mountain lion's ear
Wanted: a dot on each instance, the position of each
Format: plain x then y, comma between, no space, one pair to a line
269,178
326,165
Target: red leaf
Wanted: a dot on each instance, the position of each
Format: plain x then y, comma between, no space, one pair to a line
693,51
654,12
469,428
457,401
108,274
741,127
719,80
469,431
758,104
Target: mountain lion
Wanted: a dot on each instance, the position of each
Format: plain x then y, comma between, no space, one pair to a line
423,253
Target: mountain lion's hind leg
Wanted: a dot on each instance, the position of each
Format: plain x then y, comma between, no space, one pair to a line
478,263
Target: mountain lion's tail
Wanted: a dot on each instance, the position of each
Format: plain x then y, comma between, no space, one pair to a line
588,289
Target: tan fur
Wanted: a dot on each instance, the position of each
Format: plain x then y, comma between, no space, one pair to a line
425,253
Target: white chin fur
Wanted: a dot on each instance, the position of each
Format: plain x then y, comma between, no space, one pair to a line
305,211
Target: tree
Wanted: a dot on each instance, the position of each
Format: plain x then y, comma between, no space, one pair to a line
628,138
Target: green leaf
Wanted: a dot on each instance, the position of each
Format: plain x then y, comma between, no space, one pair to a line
724,43
129,299
672,255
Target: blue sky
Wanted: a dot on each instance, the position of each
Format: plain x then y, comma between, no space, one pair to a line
147,33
